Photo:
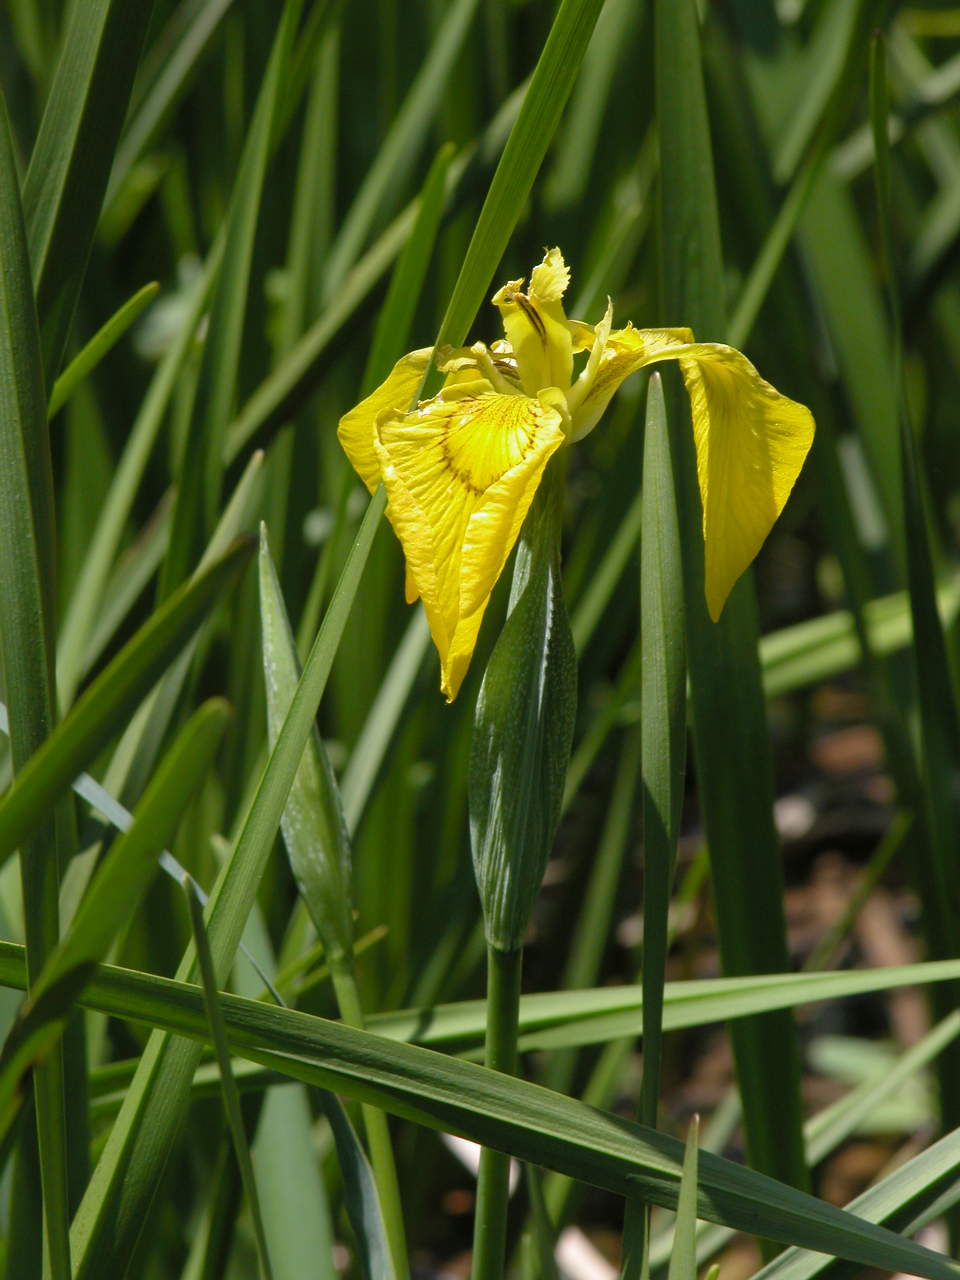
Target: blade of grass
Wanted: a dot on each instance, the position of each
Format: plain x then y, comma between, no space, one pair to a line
116,889
167,67
282,391
228,1086
70,164
939,737
108,1222
848,294
27,612
540,1237
85,601
107,336
290,1182
663,705
395,319
134,570
895,1196
569,178
595,921
554,1019
82,733
729,725
134,758
605,577
530,1122
823,647
362,1201
536,123
292,1191
200,468
122,820
399,151
315,836
829,1128
832,61
683,1260
663,721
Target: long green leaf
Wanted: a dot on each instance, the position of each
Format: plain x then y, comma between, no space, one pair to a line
228,1086
939,751
201,467
400,148
552,1019
894,1196
729,725
536,123
97,714
283,390
318,846
167,67
110,1217
102,552
27,613
107,336
663,747
683,1260
663,720
559,1019
116,889
70,163
530,1122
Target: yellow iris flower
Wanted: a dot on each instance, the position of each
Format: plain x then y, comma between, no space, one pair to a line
461,469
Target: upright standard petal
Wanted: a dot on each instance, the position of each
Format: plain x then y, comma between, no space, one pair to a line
751,441
536,326
460,475
356,428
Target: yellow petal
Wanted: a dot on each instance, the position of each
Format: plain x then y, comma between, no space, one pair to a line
460,475
537,327
549,281
356,428
751,444
615,355
751,441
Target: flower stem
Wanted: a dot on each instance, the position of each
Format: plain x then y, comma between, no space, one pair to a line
503,1013
377,1129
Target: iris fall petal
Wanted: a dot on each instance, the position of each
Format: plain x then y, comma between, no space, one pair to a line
460,475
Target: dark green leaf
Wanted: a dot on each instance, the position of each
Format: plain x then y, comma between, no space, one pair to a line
70,164
523,729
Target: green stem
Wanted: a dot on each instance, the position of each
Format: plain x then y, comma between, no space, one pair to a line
376,1126
503,1015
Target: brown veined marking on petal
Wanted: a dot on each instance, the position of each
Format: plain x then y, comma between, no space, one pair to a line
530,311
513,415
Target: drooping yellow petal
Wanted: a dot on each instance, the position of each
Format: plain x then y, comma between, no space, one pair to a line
356,428
536,326
751,444
460,475
751,441
473,367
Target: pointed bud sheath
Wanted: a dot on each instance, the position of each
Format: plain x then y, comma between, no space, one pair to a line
523,729
313,826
